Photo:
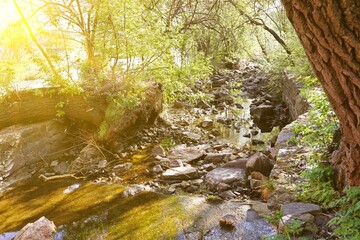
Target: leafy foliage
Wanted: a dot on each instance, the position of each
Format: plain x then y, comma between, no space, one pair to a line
347,219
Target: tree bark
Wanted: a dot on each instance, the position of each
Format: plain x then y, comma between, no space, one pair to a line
329,30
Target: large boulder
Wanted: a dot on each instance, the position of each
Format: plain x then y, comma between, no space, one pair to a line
21,146
42,229
259,163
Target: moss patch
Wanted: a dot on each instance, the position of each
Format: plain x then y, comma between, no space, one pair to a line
145,216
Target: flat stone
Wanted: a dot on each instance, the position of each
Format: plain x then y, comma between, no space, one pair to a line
180,173
300,208
187,154
225,175
237,163
192,136
217,157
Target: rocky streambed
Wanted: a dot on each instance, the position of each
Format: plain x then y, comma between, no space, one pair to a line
204,171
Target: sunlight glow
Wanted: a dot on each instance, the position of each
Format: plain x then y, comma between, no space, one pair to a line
8,13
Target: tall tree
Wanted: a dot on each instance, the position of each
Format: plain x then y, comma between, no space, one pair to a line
329,30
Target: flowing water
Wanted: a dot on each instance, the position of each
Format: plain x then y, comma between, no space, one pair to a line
89,210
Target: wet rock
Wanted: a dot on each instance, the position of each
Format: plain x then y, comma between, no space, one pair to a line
134,189
225,175
157,169
171,189
259,163
217,157
158,151
227,194
180,173
122,167
187,154
42,229
228,221
300,208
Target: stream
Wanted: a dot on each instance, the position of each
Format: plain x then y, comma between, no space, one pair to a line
139,202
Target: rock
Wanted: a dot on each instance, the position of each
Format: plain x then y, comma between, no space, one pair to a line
300,208
157,169
206,124
258,176
167,163
221,187
134,189
192,136
187,154
202,104
171,189
217,157
180,173
158,150
22,146
257,142
42,229
307,220
122,167
259,163
216,132
227,194
178,104
102,164
228,221
218,82
209,166
54,163
255,184
262,209
62,168
237,163
225,175
192,189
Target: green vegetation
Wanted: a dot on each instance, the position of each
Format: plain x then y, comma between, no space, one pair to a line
284,231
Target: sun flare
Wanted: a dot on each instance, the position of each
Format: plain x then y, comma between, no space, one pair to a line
8,14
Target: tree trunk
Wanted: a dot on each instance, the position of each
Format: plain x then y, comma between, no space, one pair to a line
329,30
